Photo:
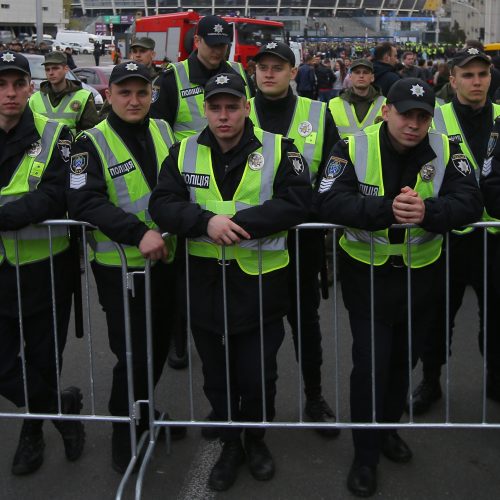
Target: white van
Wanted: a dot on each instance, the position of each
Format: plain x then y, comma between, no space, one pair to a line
67,36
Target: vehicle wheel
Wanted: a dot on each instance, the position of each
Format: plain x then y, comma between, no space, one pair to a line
85,52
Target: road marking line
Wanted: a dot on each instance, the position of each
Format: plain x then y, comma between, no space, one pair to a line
195,486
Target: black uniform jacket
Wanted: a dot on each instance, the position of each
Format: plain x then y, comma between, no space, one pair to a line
166,97
91,203
342,202
173,212
46,202
490,173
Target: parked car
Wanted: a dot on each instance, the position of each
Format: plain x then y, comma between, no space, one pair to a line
38,76
79,48
97,76
57,45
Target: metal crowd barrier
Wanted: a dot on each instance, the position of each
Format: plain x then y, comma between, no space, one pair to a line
145,447
342,422
83,328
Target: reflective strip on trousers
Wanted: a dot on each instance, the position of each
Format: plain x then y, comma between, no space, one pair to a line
198,121
120,184
267,173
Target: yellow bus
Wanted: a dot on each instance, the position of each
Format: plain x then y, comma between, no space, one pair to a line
492,49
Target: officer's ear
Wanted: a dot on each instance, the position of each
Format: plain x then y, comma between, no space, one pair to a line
196,41
32,86
293,72
386,108
247,107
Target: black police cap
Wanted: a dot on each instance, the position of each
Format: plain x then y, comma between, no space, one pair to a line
14,61
214,30
225,83
412,93
127,70
278,49
467,55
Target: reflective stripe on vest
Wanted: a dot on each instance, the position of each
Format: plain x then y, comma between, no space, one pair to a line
62,113
190,117
425,247
255,188
446,122
346,120
310,146
113,152
33,241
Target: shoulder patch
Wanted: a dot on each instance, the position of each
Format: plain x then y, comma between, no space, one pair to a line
297,162
155,93
79,163
64,148
492,142
461,163
335,167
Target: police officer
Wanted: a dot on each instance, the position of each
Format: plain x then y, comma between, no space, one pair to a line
142,50
179,100
112,172
225,188
309,123
393,172
467,120
361,104
33,152
61,99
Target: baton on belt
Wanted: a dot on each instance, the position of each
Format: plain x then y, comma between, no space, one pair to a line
74,248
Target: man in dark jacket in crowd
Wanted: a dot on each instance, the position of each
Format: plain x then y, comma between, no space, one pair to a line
385,58
325,78
306,79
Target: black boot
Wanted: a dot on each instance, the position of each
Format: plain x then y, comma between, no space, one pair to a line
72,431
362,480
426,393
29,454
395,449
260,460
317,410
225,470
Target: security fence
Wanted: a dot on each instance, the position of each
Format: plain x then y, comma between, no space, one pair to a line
143,448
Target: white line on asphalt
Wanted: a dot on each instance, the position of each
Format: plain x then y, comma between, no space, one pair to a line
195,486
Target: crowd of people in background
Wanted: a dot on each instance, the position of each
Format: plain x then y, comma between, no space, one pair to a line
325,71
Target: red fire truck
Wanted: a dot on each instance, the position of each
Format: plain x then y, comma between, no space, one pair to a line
174,33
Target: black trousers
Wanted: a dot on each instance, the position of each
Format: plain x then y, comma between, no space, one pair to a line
310,259
109,287
391,379
466,268
244,376
40,355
